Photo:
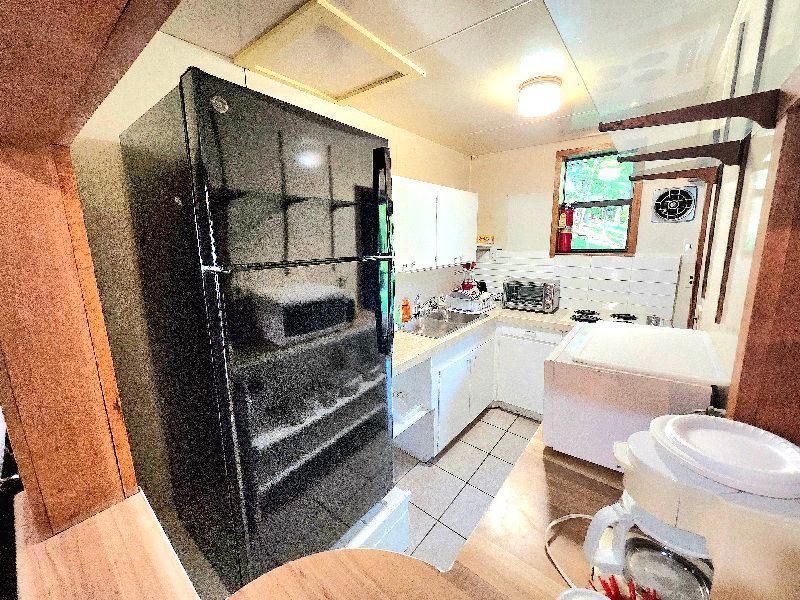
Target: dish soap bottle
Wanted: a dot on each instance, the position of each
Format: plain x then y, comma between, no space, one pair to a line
405,311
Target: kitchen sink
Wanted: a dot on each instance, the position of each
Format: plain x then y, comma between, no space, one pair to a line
440,323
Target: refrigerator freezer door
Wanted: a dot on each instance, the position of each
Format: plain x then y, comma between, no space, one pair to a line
275,183
308,388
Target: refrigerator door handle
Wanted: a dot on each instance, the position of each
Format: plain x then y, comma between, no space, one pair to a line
382,196
382,192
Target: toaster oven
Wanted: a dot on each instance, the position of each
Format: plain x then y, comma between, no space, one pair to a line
535,295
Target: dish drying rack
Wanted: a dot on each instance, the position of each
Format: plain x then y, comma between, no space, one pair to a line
468,302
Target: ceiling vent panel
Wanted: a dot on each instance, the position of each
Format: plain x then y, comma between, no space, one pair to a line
319,49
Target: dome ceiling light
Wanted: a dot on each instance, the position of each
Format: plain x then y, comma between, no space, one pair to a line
539,96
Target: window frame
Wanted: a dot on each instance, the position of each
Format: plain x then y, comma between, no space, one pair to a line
635,205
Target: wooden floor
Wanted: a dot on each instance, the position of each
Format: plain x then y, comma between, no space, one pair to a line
504,558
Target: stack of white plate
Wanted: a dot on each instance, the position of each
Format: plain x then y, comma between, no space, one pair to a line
732,453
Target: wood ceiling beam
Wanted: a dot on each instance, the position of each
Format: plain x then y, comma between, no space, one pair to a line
761,107
737,202
728,153
707,174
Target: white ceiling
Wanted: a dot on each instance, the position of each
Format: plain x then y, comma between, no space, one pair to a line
472,51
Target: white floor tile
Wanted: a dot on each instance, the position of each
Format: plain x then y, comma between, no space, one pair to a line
510,448
420,524
482,436
463,515
432,489
461,460
440,547
403,462
524,427
498,417
490,475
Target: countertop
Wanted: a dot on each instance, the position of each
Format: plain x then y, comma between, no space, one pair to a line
411,349
121,552
504,557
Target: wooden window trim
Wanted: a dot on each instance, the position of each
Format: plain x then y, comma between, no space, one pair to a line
633,223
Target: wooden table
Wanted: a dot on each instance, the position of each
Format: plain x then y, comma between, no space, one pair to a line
503,558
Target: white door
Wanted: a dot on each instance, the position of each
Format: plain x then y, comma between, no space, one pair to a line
520,371
414,219
481,379
453,413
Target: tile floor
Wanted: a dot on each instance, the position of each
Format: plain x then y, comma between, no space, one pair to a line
450,494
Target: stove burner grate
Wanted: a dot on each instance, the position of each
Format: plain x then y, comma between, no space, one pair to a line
585,317
624,317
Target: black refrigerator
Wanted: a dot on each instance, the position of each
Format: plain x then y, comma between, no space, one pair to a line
263,242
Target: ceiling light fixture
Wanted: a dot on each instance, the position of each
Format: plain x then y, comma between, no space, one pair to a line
539,96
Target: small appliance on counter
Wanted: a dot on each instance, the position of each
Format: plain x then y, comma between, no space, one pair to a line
699,511
534,295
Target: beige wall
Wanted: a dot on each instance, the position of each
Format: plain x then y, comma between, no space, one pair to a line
515,201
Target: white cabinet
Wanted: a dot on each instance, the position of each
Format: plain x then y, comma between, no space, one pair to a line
465,387
520,367
481,379
414,219
456,226
453,408
433,225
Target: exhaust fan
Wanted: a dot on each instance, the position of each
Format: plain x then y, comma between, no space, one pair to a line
674,205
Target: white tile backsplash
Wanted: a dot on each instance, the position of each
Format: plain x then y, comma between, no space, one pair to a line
639,284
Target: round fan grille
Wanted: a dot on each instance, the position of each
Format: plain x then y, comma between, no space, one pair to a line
674,204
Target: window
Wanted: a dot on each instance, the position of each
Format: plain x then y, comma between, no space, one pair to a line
594,191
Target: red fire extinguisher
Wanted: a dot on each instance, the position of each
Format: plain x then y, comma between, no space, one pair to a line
565,218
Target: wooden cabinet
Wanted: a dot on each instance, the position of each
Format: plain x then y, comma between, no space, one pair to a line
433,225
520,366
414,217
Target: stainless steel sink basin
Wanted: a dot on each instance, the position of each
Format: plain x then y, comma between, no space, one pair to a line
440,323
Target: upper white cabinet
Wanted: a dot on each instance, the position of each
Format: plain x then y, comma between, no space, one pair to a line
433,225
456,226
414,206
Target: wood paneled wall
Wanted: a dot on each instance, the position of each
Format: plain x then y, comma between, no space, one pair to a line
766,385
57,384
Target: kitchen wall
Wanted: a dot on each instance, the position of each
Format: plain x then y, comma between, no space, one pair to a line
426,284
515,203
515,200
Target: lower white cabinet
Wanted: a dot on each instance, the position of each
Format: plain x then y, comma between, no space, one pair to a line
505,365
465,388
481,379
452,381
520,367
